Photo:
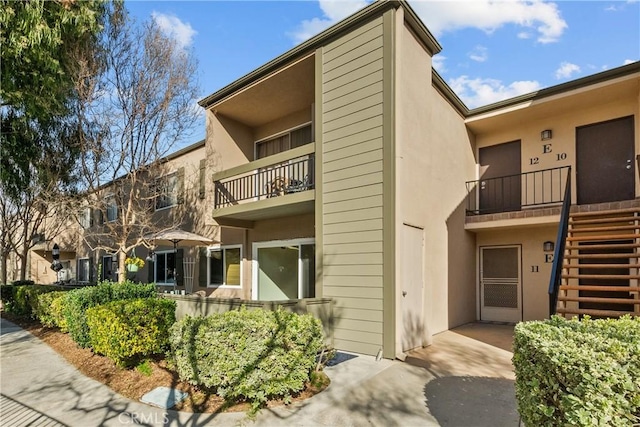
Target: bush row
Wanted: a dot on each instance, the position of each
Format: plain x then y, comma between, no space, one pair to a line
22,299
578,372
126,331
77,302
247,355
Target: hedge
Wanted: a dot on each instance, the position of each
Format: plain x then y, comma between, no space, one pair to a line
578,372
79,300
21,299
247,355
48,309
130,330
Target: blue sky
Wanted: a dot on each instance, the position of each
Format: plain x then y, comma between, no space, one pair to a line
492,50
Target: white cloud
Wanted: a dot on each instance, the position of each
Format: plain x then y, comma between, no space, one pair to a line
477,92
566,70
438,63
333,11
629,61
479,54
173,27
488,15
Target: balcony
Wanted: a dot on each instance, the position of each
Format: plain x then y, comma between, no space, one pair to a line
275,186
530,194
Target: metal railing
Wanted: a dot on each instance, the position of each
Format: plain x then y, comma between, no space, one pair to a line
291,176
514,192
558,254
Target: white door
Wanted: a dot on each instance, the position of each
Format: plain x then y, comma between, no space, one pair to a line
500,284
412,287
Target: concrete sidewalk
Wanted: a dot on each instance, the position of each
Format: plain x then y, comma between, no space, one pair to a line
458,381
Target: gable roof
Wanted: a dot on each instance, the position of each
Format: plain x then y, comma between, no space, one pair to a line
373,10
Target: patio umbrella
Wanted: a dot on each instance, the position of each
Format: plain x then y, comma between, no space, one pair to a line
178,237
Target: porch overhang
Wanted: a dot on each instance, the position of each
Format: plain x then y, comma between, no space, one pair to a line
244,215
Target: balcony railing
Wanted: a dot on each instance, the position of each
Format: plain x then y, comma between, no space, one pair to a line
514,192
273,180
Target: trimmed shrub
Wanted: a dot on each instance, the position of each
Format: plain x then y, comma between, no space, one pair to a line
48,309
247,355
79,300
22,300
128,331
23,283
578,372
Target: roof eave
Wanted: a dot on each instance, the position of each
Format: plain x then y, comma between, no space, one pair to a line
323,38
614,73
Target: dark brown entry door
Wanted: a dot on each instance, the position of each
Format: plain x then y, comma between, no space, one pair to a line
500,185
604,162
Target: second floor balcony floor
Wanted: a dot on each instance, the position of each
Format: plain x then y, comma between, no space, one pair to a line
279,185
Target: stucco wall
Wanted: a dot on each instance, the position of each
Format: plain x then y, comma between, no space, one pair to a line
561,149
536,267
434,158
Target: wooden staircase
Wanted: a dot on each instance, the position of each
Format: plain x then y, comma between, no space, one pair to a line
601,269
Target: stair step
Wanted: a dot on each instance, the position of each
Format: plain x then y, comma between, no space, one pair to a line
601,276
590,312
609,228
602,256
596,266
609,220
599,288
600,300
602,213
604,246
602,237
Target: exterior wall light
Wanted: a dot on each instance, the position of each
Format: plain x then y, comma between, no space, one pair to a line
56,265
548,246
546,134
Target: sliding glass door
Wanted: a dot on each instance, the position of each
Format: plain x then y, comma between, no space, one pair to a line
284,270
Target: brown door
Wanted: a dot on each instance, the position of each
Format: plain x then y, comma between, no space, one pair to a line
604,162
500,181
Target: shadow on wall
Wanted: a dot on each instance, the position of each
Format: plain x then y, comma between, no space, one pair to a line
461,260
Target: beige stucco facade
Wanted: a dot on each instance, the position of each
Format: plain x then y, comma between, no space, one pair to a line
380,191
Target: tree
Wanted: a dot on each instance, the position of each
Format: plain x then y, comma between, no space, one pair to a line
42,42
130,118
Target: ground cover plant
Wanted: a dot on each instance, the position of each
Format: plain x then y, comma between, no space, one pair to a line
578,372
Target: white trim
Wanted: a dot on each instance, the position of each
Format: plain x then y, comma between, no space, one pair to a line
272,244
223,248
510,315
155,201
279,134
284,132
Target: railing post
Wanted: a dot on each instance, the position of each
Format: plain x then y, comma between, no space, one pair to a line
558,255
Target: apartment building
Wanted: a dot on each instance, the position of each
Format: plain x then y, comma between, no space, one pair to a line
346,168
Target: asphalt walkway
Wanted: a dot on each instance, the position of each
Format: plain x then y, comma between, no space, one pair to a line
458,381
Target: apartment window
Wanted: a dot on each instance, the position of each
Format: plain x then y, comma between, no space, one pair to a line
224,267
165,268
167,191
83,270
283,142
84,217
111,207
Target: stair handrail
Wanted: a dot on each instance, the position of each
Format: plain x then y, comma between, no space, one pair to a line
558,254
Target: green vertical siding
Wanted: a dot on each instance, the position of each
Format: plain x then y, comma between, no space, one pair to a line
351,188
